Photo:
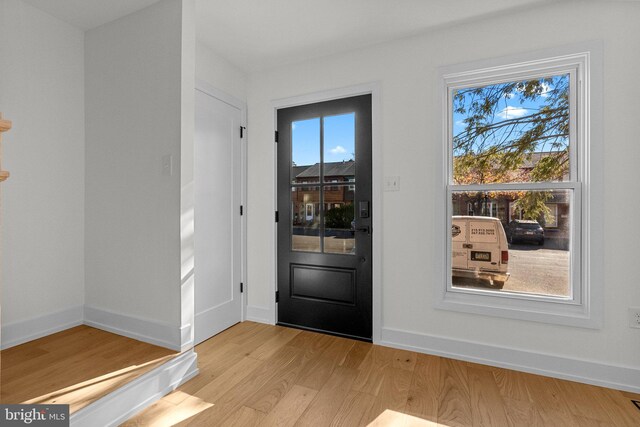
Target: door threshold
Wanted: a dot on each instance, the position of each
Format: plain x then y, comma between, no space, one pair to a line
322,331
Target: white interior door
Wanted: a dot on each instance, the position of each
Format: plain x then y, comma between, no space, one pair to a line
217,239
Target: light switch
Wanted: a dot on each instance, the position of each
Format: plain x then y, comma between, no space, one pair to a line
391,183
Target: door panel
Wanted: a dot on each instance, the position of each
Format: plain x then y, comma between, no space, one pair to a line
217,241
324,241
323,283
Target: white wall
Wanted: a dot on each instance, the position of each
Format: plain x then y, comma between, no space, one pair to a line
42,92
220,73
411,129
134,117
187,180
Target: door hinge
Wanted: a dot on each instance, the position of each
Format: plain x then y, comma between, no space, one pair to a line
241,210
277,216
277,296
242,128
276,136
241,287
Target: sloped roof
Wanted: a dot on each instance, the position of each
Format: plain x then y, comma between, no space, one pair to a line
330,169
296,170
531,160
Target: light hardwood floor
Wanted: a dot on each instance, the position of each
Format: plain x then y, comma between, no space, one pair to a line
261,375
76,367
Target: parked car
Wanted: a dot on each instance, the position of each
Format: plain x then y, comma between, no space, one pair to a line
522,230
479,249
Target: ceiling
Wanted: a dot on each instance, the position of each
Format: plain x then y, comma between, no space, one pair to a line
260,34
88,14
256,34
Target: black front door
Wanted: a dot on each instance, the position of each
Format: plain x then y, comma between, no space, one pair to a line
324,207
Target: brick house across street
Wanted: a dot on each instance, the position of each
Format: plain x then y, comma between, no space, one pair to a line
502,205
306,200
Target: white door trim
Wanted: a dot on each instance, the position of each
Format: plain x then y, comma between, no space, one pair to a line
373,88
207,88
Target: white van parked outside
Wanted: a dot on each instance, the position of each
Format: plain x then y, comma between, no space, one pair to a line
479,249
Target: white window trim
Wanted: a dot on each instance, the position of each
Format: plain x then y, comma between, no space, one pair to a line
584,308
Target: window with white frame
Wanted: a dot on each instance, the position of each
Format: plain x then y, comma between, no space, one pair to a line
516,142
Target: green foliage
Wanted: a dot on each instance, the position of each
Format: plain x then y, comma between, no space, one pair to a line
533,205
339,217
498,147
490,149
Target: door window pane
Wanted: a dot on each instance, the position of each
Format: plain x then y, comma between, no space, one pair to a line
305,219
516,241
339,220
305,151
339,148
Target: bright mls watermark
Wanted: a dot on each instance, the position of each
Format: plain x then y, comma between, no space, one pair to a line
34,415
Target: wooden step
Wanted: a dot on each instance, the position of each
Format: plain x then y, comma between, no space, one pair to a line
3,175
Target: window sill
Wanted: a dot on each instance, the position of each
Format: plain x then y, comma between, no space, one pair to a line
557,312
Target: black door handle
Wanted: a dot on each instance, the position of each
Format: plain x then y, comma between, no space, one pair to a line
364,230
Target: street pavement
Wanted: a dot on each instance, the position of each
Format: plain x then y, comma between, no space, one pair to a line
533,270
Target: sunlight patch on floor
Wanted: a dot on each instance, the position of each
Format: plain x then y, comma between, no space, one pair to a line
164,413
391,418
81,394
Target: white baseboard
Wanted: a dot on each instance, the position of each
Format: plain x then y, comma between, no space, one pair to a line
28,330
259,314
120,405
186,337
616,377
149,331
